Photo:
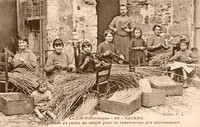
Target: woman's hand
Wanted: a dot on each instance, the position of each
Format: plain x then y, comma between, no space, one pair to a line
157,46
87,59
107,53
23,61
189,59
120,62
142,48
10,59
127,30
56,66
122,56
115,30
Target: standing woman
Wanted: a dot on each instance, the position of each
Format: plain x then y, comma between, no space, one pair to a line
120,25
24,59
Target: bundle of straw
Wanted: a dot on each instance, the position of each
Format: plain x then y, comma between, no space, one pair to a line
127,80
70,93
161,81
159,59
125,96
148,71
26,83
59,82
87,108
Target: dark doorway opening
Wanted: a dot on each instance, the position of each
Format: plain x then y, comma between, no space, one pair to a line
8,25
106,11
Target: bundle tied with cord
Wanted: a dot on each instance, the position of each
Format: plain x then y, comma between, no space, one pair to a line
126,95
167,84
126,80
159,59
27,83
161,81
70,93
72,88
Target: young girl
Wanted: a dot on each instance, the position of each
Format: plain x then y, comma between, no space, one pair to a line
42,98
58,62
23,58
184,56
138,44
86,61
106,49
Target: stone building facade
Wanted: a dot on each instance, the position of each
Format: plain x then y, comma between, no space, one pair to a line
68,19
66,16
87,19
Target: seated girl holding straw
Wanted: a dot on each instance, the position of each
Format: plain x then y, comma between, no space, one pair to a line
42,98
107,51
58,62
25,59
184,58
86,62
24,76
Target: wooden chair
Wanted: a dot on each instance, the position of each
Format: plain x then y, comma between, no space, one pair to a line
102,74
5,64
77,50
102,85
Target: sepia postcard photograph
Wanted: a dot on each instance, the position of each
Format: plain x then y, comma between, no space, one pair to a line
99,63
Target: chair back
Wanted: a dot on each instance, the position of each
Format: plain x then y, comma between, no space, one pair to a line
5,68
102,80
77,50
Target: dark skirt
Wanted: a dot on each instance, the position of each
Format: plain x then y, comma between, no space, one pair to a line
140,58
122,43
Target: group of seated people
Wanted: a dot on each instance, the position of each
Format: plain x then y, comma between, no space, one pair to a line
58,62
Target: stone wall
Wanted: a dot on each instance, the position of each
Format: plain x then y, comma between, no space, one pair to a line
66,16
176,17
183,19
59,20
85,20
